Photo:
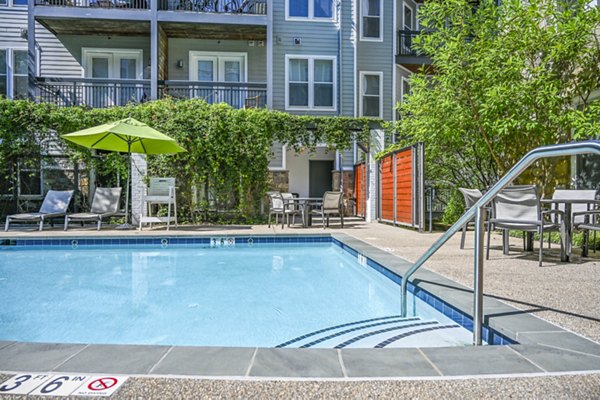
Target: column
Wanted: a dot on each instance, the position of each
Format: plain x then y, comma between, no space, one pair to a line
139,168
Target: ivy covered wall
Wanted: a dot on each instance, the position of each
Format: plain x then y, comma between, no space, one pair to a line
227,157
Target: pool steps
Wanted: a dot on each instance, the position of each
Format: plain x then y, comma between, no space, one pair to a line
392,331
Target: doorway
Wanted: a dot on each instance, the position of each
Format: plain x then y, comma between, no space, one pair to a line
319,177
211,68
107,64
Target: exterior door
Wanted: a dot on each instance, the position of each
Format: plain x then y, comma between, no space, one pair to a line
218,68
112,65
127,69
319,177
99,66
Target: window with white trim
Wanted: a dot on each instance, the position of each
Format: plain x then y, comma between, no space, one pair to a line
371,25
311,82
309,9
14,80
371,94
405,88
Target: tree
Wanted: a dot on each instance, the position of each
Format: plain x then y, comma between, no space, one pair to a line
506,78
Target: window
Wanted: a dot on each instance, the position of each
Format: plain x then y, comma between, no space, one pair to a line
20,3
371,25
310,9
407,26
371,94
405,89
311,82
14,80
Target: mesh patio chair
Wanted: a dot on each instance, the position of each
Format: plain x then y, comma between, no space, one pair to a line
55,205
587,221
519,208
332,205
105,204
471,197
282,204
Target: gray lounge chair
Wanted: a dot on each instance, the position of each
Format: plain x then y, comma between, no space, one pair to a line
55,205
104,204
519,208
332,205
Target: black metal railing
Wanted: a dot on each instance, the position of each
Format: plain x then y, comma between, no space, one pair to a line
405,43
236,94
92,92
257,7
124,4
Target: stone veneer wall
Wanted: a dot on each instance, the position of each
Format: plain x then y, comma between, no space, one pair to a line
279,181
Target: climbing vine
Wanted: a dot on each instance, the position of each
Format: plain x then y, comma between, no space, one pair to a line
228,150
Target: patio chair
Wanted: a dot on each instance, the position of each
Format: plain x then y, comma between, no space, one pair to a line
519,208
332,205
471,197
586,221
282,204
160,191
55,205
105,204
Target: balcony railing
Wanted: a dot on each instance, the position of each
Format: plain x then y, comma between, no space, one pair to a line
102,93
92,92
130,4
405,43
236,94
258,7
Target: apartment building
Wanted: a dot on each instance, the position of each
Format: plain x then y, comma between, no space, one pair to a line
314,57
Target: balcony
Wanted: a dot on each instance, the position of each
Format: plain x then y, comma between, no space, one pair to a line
100,4
251,7
406,53
96,93
236,94
102,93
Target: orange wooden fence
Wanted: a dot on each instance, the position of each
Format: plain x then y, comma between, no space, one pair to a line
360,189
400,186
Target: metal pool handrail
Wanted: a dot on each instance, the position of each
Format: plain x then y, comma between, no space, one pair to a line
477,211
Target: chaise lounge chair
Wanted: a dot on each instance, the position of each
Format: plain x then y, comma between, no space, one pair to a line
104,204
55,205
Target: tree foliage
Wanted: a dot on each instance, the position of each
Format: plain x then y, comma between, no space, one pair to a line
504,79
227,149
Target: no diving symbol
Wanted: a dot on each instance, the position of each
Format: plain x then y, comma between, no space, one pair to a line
102,383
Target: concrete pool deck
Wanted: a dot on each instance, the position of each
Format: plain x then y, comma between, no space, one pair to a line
544,348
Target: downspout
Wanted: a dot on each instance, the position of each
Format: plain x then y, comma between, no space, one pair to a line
339,91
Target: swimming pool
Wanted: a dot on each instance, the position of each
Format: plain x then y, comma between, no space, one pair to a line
238,292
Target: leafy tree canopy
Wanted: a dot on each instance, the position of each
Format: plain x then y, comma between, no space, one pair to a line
504,79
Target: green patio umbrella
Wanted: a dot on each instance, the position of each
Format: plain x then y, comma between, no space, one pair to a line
125,136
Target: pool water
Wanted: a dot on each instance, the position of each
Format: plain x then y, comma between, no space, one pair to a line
301,295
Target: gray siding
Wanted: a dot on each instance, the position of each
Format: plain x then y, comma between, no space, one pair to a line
277,157
379,57
179,49
55,59
74,43
318,38
12,20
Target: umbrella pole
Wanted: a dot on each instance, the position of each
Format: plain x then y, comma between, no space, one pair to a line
127,218
127,225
